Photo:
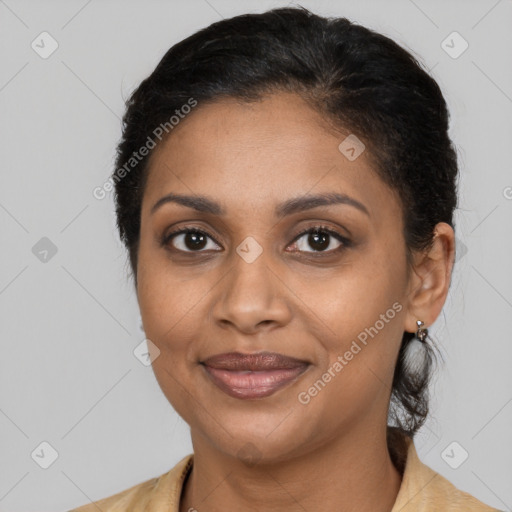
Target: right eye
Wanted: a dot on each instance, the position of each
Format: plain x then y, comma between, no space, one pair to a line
189,240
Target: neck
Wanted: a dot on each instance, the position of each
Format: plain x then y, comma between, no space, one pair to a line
354,472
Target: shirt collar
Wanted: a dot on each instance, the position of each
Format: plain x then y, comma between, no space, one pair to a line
422,489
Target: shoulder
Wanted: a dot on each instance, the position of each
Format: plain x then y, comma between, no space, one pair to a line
153,495
441,494
128,499
425,490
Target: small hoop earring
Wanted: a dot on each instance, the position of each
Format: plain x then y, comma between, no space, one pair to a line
415,354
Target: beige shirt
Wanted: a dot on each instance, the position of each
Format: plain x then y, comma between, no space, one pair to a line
422,490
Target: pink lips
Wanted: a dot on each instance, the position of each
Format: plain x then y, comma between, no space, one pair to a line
253,375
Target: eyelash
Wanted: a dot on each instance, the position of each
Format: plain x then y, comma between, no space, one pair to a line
346,243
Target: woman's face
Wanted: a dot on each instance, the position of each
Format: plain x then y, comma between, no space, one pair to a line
252,283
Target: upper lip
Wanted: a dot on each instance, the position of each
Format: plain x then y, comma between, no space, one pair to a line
261,361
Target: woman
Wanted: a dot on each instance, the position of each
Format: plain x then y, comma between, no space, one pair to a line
285,187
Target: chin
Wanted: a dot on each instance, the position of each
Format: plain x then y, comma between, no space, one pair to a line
258,438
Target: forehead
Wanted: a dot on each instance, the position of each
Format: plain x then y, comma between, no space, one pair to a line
257,153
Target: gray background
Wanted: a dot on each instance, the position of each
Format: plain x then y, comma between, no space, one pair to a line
69,324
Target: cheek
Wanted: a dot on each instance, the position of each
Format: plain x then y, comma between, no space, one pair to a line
357,378
168,310
166,299
363,310
357,301
174,310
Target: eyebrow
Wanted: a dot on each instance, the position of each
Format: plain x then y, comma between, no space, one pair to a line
206,205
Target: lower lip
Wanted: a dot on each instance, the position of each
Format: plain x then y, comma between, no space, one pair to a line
253,384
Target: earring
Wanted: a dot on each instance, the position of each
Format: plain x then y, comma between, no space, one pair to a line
415,354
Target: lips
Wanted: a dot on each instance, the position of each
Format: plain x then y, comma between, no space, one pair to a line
253,375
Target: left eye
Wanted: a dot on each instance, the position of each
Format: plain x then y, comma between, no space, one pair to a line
320,239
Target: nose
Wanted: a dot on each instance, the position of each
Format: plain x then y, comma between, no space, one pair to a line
252,297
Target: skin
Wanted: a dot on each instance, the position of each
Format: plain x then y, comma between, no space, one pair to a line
293,299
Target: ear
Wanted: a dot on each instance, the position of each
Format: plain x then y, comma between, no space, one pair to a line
430,278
